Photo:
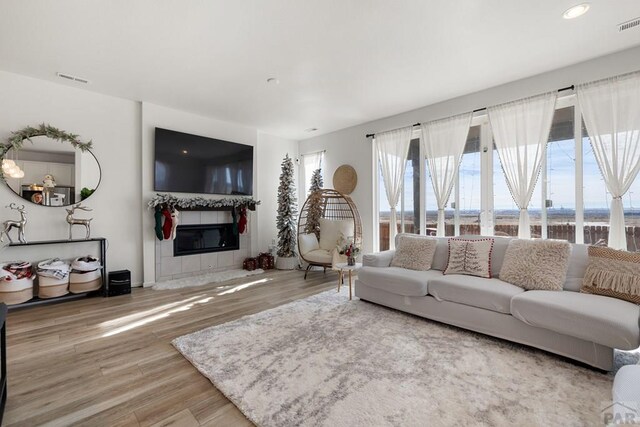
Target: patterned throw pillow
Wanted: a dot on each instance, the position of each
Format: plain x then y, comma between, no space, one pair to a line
414,252
613,273
472,257
538,264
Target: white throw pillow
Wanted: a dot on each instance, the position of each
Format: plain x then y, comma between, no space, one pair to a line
331,230
307,243
472,257
414,252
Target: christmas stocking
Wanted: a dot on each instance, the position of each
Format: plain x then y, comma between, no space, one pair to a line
174,221
242,223
158,227
234,216
166,228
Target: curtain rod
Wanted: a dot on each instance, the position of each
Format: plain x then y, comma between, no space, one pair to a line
371,135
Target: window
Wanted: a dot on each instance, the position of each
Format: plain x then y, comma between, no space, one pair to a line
470,184
408,209
310,163
570,199
596,198
560,176
506,212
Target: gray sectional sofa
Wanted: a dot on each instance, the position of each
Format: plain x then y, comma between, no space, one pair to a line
580,326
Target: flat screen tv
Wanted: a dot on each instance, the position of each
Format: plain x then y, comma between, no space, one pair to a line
187,163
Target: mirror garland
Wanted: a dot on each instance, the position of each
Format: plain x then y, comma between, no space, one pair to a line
55,169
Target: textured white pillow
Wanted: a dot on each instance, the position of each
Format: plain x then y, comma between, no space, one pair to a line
472,257
414,252
330,230
537,264
307,243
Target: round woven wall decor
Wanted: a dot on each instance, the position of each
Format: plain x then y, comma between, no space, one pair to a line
345,179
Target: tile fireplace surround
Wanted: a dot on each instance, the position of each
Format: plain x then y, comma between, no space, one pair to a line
169,267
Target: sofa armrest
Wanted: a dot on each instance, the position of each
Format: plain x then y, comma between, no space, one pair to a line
380,259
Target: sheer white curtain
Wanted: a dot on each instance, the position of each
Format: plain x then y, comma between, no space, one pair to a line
310,163
611,111
392,148
521,131
443,142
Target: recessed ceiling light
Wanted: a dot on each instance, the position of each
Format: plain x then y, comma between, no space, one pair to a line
273,80
185,152
311,129
576,11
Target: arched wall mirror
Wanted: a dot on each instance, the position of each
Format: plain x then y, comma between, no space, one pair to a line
49,167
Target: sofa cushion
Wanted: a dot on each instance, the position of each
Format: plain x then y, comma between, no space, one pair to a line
578,262
491,294
538,264
470,257
613,273
320,256
414,252
602,320
398,280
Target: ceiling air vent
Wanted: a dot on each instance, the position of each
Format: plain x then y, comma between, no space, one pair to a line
72,78
629,24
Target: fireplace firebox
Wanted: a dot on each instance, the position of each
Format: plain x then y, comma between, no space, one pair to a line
203,238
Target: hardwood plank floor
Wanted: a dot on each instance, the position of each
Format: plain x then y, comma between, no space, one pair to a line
110,362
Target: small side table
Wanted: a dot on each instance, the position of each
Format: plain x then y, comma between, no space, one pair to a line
342,267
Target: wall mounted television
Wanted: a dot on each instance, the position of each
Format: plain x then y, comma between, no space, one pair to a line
186,163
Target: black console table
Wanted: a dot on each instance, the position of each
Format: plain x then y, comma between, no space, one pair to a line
3,361
104,290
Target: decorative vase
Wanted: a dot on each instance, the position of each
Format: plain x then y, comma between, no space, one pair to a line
351,260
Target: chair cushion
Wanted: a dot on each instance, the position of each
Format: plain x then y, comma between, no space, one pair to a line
319,256
400,281
490,294
331,231
414,252
602,320
538,264
307,243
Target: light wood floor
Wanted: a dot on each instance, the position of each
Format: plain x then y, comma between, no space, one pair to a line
109,361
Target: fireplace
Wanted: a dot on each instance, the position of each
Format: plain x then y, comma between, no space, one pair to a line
203,238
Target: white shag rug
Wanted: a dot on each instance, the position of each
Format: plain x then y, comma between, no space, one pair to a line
328,361
205,279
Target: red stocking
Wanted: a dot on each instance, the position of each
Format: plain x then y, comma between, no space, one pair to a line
242,223
168,224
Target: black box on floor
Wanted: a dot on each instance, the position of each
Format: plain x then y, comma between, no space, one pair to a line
119,283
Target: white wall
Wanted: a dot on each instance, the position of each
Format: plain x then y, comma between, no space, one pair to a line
350,145
271,151
267,156
113,125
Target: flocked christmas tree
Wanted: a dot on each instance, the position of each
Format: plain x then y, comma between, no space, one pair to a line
315,204
287,211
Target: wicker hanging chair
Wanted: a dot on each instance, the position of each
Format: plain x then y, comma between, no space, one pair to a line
332,205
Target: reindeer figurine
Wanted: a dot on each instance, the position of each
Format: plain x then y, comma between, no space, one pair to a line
20,225
75,221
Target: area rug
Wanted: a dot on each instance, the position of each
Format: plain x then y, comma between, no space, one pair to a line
205,279
328,361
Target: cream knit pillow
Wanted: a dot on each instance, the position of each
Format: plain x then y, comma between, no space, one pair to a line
414,252
537,264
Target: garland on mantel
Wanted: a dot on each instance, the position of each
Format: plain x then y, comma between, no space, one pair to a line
171,201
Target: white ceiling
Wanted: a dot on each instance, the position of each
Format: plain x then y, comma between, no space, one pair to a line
339,62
